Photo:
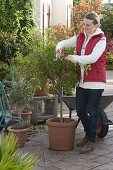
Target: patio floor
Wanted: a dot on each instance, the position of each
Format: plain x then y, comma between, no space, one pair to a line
99,159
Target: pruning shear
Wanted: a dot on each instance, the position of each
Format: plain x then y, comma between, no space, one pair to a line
57,56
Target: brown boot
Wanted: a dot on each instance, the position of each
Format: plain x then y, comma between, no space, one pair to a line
88,147
82,142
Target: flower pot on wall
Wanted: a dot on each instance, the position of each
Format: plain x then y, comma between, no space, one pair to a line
61,135
42,92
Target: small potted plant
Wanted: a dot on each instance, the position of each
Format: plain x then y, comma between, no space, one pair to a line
20,98
20,130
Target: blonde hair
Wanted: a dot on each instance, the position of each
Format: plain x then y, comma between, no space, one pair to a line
93,16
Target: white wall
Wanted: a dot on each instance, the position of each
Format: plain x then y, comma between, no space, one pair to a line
37,12
107,1
60,12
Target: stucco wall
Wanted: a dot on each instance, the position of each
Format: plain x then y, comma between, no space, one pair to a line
52,12
60,11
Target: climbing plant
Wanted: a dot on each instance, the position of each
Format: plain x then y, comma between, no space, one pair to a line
16,17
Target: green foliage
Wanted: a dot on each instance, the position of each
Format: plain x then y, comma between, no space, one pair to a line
107,21
12,159
75,2
21,94
8,46
39,67
109,61
107,27
25,67
4,72
20,98
16,15
60,75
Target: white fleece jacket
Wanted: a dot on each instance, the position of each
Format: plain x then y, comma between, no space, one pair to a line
83,59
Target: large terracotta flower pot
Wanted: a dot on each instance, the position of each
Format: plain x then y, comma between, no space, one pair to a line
21,135
61,135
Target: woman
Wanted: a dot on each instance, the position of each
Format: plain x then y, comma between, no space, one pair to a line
91,49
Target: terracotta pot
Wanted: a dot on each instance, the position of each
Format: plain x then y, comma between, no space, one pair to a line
61,135
42,92
26,115
21,135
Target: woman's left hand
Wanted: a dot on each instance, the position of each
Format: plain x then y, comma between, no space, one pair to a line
69,58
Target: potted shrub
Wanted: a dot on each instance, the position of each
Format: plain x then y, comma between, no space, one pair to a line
61,129
61,76
20,97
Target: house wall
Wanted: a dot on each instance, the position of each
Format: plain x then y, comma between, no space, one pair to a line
37,12
61,12
52,12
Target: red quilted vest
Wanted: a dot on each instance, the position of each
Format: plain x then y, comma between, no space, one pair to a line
98,69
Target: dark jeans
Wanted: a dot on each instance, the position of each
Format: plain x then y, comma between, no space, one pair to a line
87,107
